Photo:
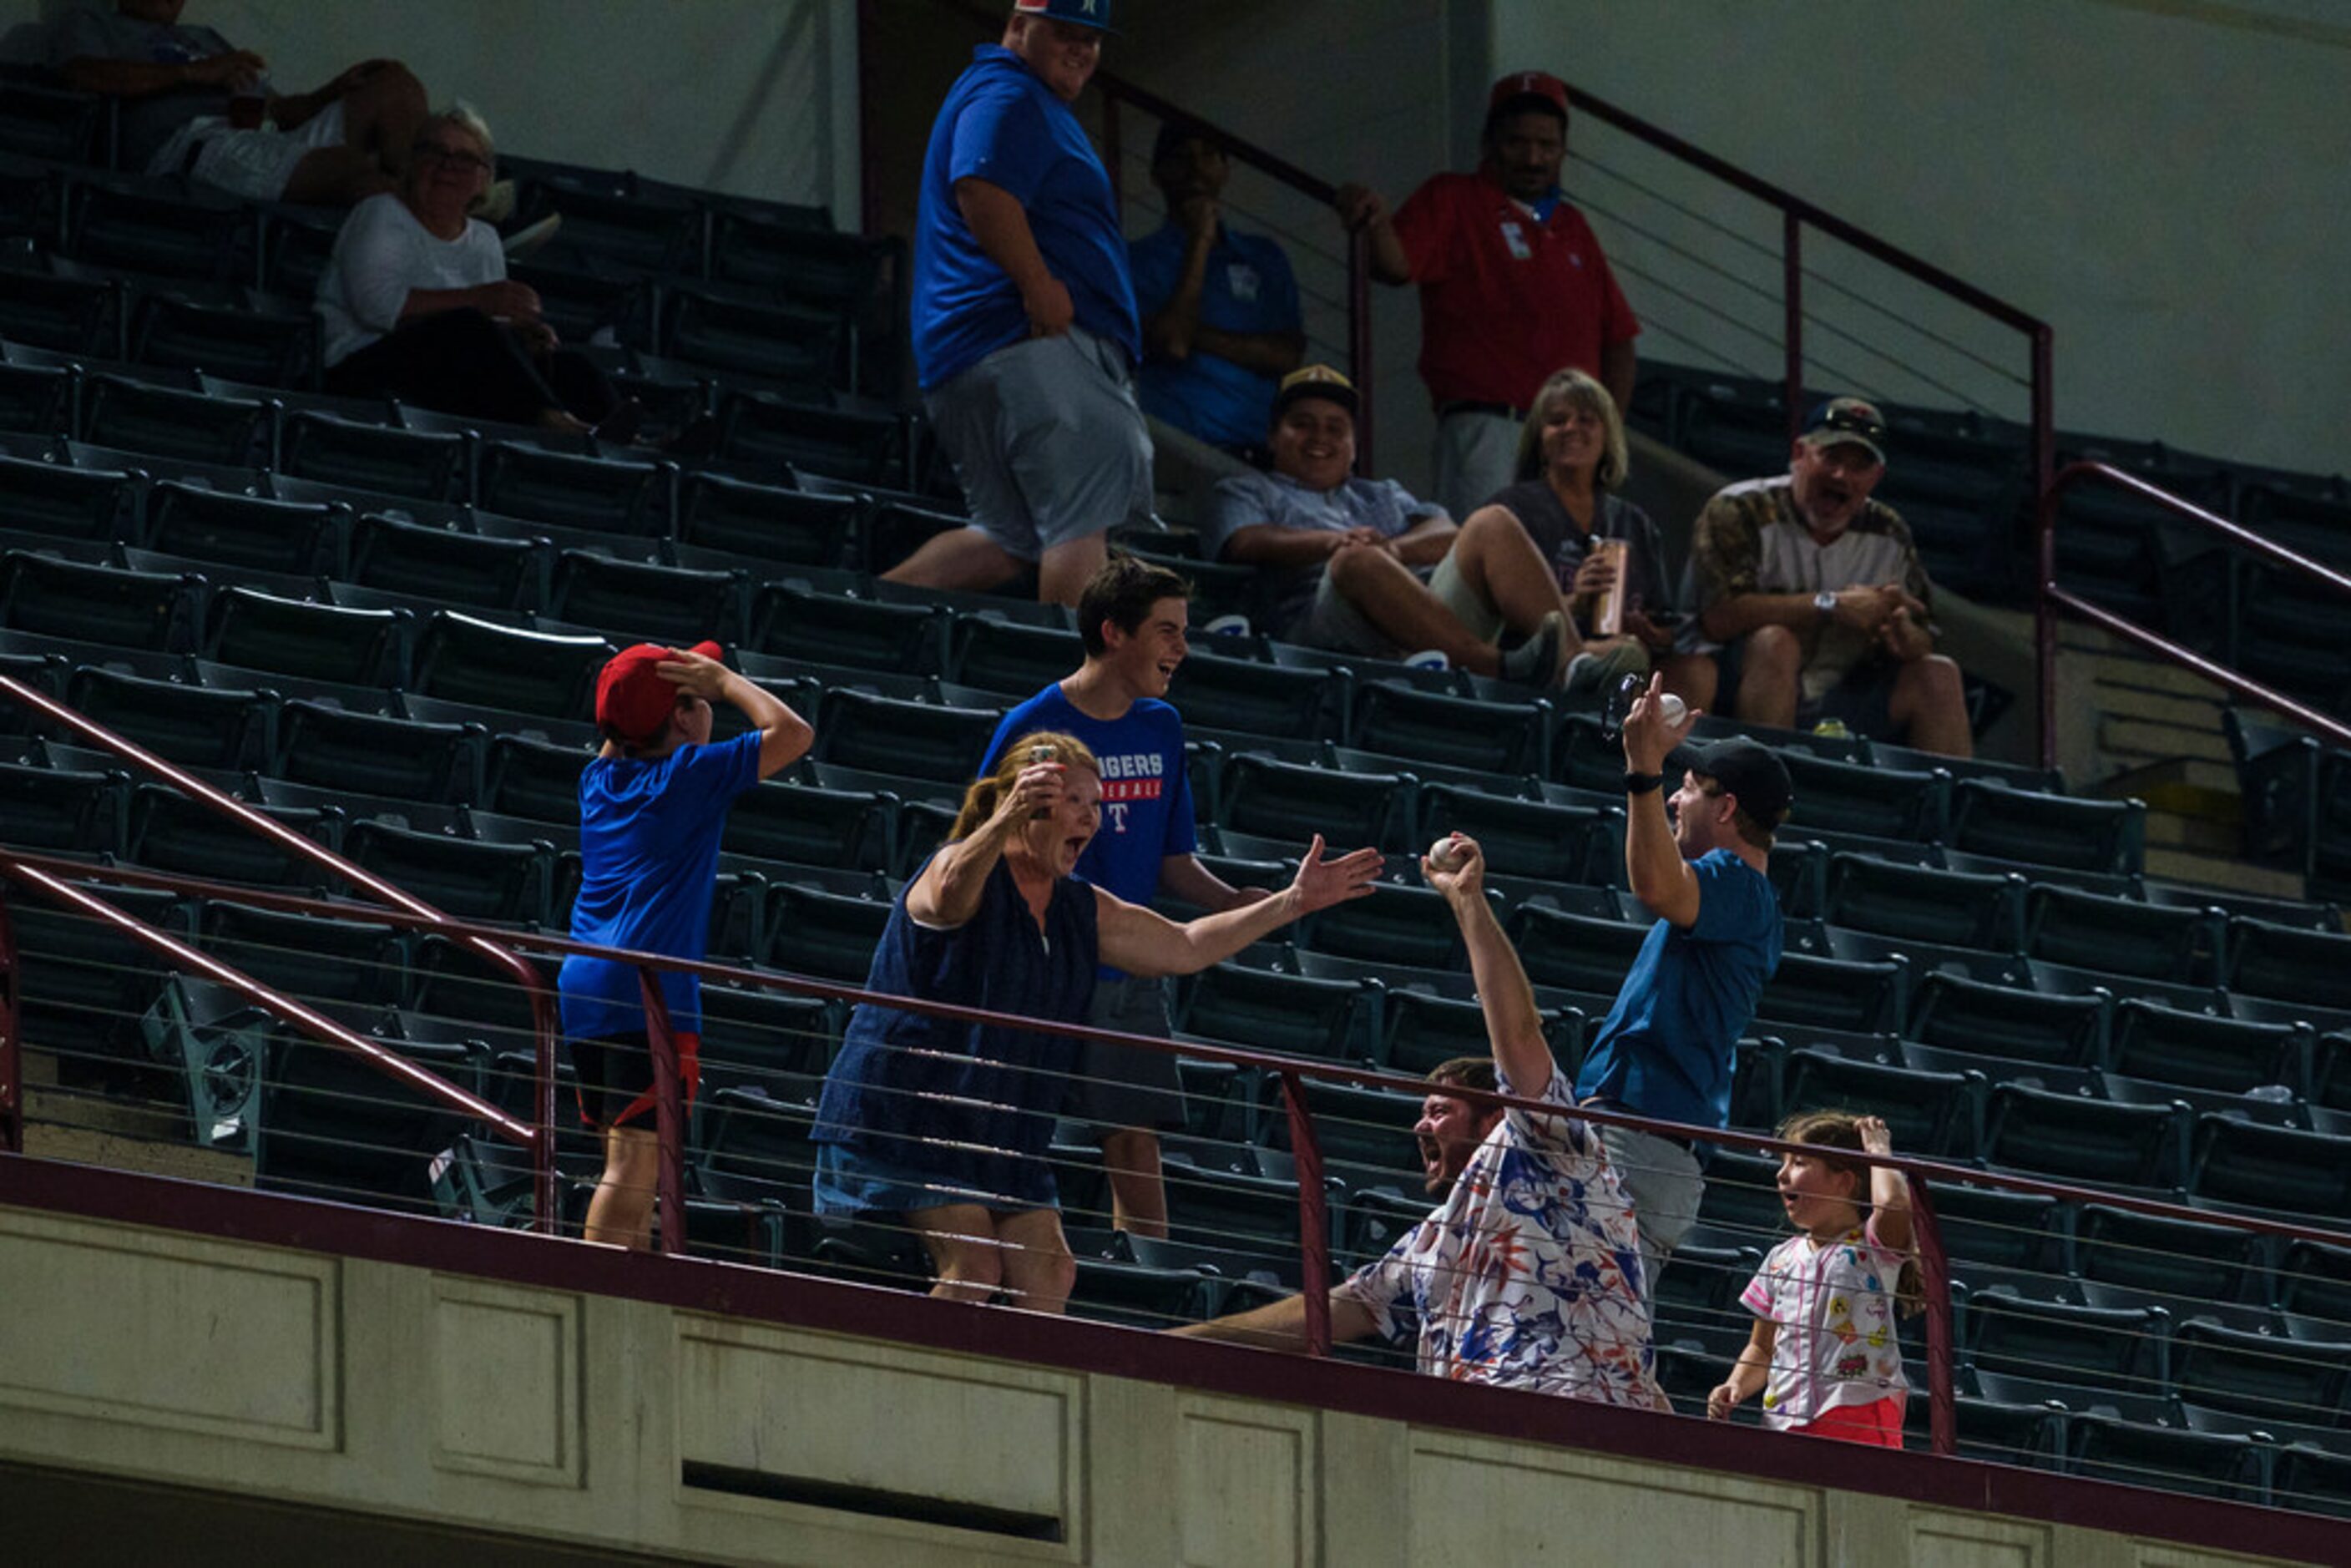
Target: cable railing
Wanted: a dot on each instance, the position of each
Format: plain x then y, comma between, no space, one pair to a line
1697,1311
2053,599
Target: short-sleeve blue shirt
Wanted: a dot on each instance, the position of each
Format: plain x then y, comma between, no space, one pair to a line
1668,1046
1001,124
1247,288
649,856
1146,793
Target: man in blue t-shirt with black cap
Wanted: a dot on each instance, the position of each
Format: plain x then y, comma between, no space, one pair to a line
1667,1049
1025,330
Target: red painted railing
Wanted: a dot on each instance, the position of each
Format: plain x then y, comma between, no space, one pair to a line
2053,599
539,1138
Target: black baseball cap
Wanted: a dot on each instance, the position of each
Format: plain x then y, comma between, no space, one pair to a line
1747,770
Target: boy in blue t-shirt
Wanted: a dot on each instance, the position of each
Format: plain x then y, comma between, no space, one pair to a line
1668,1047
1131,618
652,804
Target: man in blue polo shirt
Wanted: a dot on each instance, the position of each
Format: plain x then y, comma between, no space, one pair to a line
1668,1046
1131,619
1220,323
1024,326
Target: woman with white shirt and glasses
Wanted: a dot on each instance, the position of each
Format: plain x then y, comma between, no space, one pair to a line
416,303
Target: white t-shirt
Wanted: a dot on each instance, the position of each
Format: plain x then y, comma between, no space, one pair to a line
1834,1310
382,254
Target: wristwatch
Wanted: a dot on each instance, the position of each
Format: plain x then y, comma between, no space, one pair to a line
1825,602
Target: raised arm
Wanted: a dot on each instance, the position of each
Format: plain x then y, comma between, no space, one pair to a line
1000,225
1889,1189
784,736
947,894
1143,942
1513,1022
1660,878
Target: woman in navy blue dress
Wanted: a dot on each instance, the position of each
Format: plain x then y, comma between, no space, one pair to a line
945,1123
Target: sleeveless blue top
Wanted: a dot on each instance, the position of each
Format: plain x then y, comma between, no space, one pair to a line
968,1105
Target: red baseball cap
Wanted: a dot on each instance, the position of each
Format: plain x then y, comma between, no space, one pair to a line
632,699
1527,84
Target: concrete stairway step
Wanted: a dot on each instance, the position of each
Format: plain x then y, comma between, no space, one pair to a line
2138,740
2222,871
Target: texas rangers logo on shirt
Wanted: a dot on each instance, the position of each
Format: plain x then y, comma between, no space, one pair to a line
1127,779
1241,278
1516,238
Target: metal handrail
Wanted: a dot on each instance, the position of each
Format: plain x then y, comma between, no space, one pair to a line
1292,1071
2052,599
541,1138
1117,90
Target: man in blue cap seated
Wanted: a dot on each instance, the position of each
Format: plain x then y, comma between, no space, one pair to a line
1025,330
1220,322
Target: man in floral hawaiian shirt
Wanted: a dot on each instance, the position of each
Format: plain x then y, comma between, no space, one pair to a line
1529,1274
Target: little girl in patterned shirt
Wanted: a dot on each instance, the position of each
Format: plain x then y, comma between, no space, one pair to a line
1823,1349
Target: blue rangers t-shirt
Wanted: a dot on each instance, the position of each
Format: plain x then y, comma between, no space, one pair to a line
1147,798
1247,290
649,857
1001,124
1668,1047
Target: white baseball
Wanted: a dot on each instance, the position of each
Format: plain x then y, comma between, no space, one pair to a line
1445,855
1672,707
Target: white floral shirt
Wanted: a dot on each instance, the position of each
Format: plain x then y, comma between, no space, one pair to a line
1834,1310
1529,1276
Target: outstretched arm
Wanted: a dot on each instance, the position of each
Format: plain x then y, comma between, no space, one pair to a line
1143,942
1281,1325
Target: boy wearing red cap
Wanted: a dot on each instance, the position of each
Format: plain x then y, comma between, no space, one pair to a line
652,804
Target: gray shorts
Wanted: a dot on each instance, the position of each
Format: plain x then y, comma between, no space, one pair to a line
1121,1086
1047,440
1332,622
1477,454
254,164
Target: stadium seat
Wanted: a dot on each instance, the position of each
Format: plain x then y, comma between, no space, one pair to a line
1918,904
1740,1205
96,603
2122,1348
1861,997
73,316
34,400
1400,928
442,563
1286,800
241,530
2183,1264
2020,1232
796,622
56,502
1007,657
132,416
308,957
1854,797
171,832
1259,1010
419,464
787,346
261,347
826,935
2108,1448
1245,1226
1252,698
1573,952
2244,1164
256,631
2255,1374
926,740
2075,1139
601,494
154,227
65,809
1535,839
2313,1284
1111,1291
2289,964
534,778
846,830
332,1126
2052,830
2232,1056
1970,1016
457,988
1926,1113
190,725
770,1040
787,527
2121,936
767,431
1459,732
1365,1136
637,602
462,877
462,659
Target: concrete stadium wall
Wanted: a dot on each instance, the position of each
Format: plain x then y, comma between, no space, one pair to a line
757,98
2159,178
338,1382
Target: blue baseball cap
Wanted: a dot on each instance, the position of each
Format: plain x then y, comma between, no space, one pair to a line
1084,12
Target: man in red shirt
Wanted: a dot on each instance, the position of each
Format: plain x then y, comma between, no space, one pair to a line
1512,282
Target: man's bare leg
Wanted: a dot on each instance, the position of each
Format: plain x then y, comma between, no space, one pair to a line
1498,562
963,559
1929,702
621,1211
1068,567
381,114
1770,664
967,1258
